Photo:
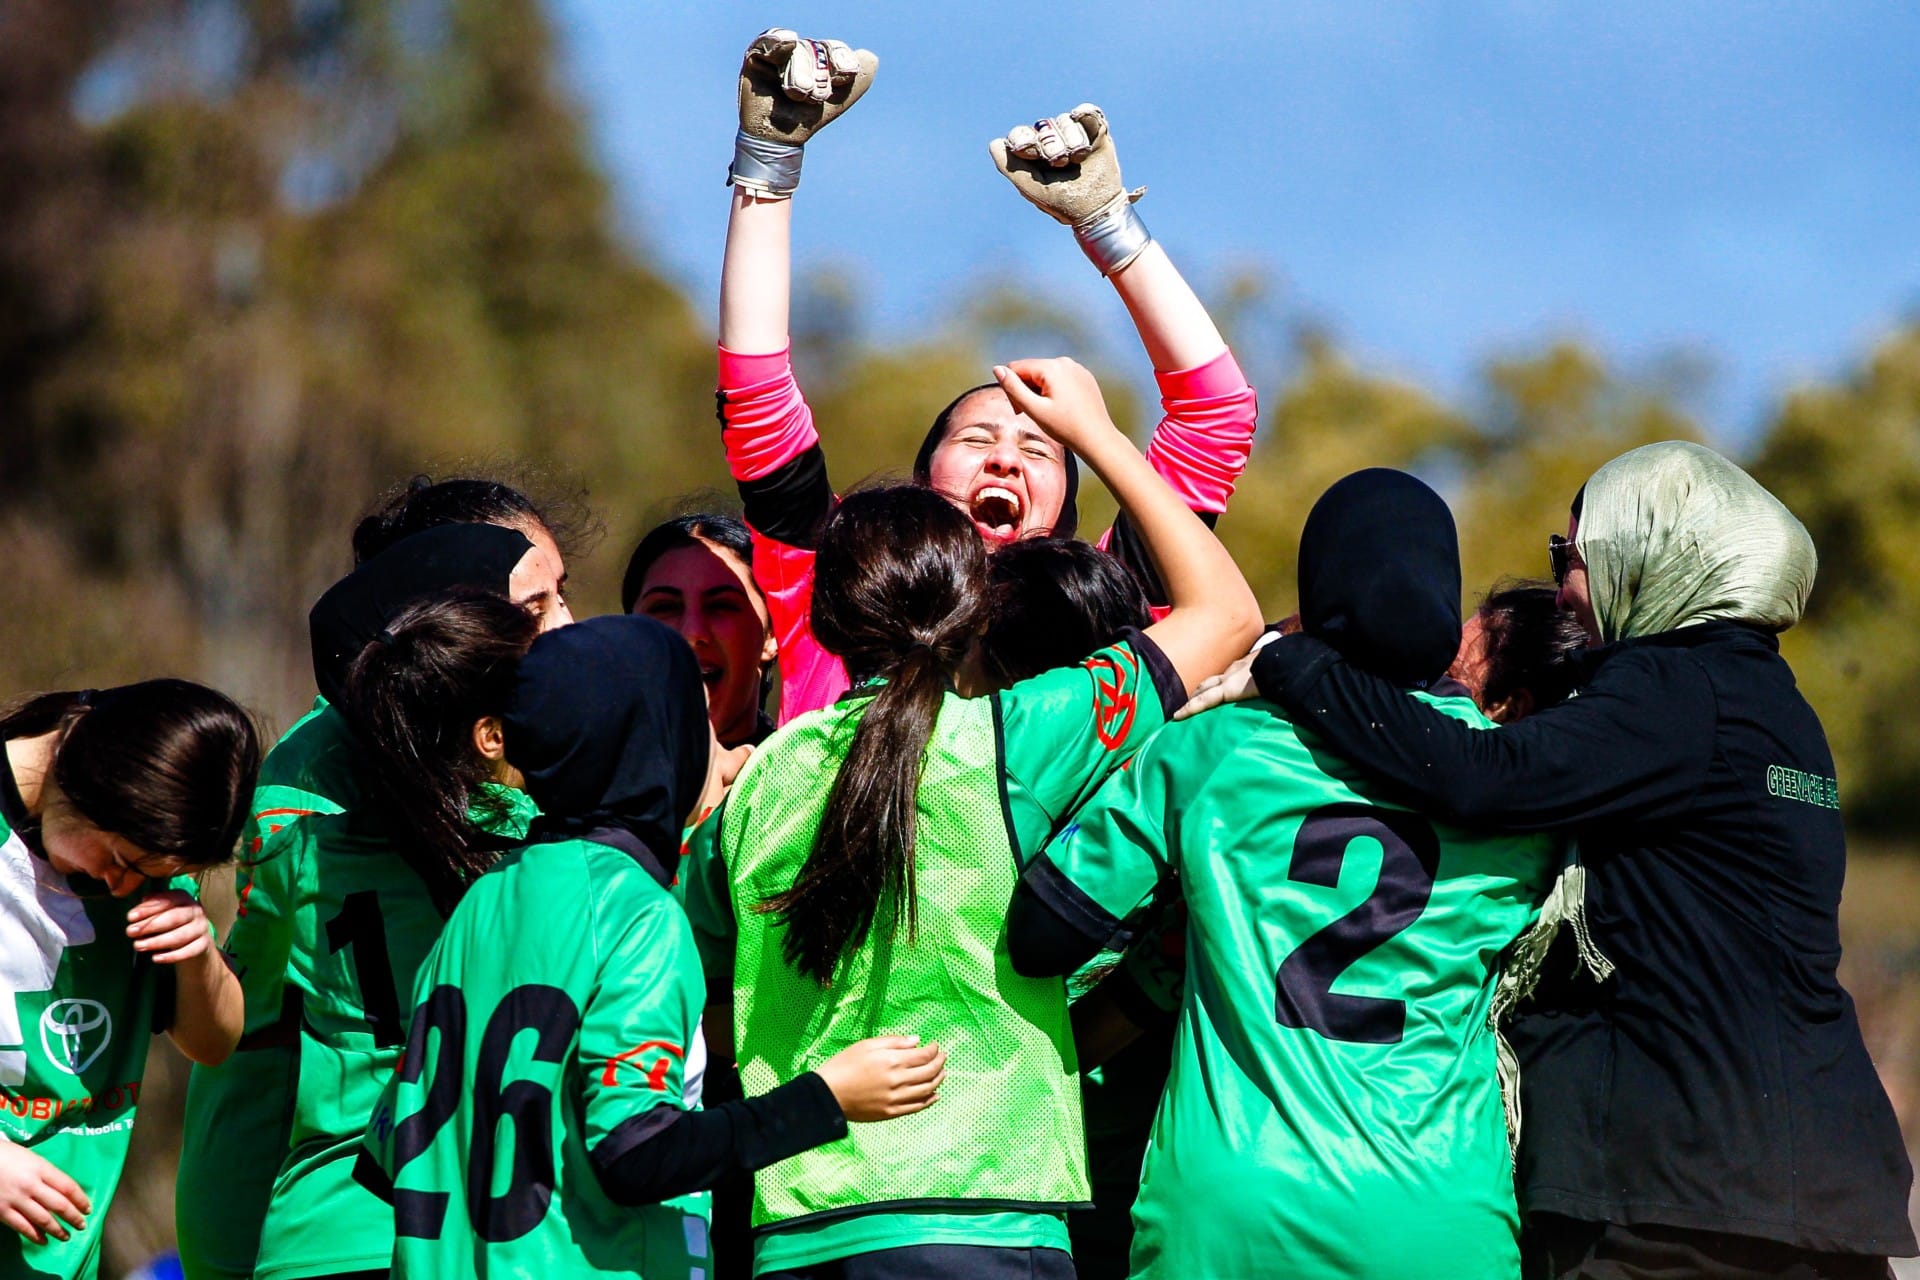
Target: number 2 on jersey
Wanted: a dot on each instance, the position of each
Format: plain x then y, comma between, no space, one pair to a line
1409,862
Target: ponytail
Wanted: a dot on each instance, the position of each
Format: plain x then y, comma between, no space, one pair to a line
899,595
413,698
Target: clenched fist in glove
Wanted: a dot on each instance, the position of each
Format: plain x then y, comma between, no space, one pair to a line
1067,166
790,89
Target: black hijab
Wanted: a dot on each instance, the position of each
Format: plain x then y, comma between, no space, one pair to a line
356,609
1380,576
608,723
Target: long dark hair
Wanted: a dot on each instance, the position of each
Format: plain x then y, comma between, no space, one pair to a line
167,765
413,697
899,593
423,503
1531,643
1055,601
683,531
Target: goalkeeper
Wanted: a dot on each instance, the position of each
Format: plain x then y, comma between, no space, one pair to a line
987,459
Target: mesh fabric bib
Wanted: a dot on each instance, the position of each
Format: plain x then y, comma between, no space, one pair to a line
1006,1131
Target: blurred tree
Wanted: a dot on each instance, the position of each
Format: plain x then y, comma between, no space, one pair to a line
368,241
1846,458
1329,418
1549,420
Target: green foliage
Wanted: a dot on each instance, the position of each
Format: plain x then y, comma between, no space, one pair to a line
1846,458
230,317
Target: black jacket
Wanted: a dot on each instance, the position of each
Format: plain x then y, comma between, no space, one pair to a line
1718,1080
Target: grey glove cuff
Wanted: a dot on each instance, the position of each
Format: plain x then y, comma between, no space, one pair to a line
1113,236
761,165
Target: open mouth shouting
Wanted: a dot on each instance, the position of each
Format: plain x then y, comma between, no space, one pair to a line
996,512
711,674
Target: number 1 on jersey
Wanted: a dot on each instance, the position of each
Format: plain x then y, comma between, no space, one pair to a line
359,926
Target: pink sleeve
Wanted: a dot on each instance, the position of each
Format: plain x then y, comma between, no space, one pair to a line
1202,444
810,677
764,420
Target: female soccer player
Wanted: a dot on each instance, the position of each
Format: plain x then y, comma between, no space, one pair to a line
105,795
1334,1101
1515,657
981,453
357,915
695,574
545,1120
877,901
1698,1097
239,1114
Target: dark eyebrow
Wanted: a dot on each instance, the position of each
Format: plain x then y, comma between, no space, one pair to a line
662,586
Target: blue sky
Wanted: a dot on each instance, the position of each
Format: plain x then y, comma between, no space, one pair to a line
1437,184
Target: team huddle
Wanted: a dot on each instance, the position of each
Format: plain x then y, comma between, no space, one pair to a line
1055,917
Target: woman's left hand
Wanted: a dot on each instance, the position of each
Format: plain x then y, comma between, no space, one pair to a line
1235,684
171,926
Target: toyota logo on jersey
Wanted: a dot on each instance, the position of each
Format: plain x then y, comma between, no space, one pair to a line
74,1033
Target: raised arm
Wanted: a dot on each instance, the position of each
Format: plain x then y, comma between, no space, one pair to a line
789,90
1068,168
755,276
1213,615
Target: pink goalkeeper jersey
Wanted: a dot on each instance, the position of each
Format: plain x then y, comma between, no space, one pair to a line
1200,448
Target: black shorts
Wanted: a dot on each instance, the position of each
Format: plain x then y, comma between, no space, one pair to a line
940,1262
1559,1248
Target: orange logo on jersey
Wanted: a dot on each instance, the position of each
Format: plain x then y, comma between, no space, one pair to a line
1113,700
656,1070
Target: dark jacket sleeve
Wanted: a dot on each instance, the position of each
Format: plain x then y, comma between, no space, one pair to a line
667,1152
1635,744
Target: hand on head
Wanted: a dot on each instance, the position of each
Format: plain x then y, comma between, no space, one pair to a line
171,926
1060,396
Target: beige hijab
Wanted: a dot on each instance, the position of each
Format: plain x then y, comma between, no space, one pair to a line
1673,535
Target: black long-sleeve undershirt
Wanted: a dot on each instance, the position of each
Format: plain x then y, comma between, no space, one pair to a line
1053,927
668,1152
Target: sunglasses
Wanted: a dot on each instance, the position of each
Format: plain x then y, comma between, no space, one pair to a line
1562,557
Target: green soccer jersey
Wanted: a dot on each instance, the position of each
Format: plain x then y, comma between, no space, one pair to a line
239,1113
1333,1109
78,1006
1002,1157
556,1024
357,924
